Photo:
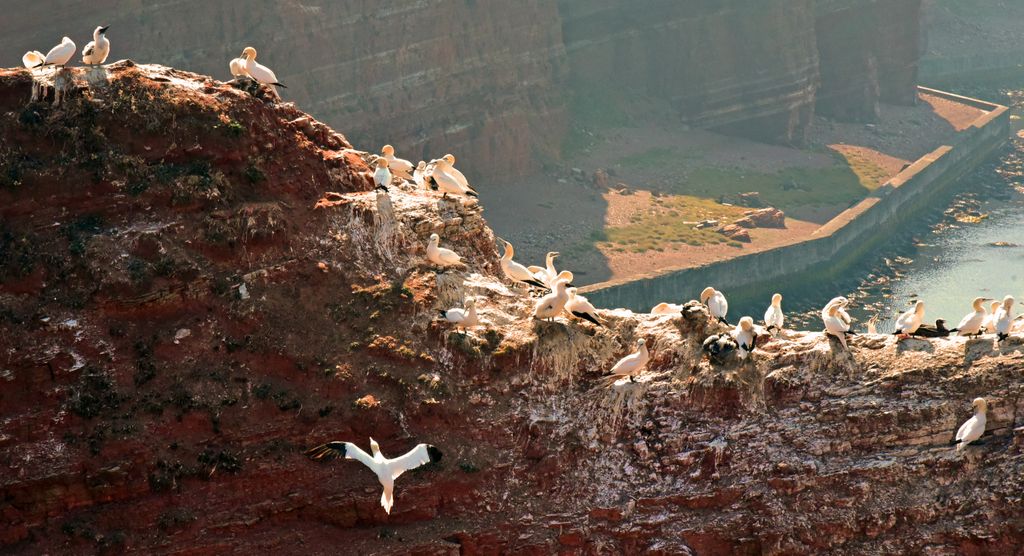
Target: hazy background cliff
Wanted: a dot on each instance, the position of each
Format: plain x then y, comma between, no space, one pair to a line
499,83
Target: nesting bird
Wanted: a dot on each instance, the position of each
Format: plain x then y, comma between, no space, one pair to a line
746,338
973,428
937,331
462,318
552,304
33,59
97,50
401,167
259,72
716,303
387,470
971,324
909,322
773,317
237,67
632,364
421,177
439,255
719,346
835,325
61,54
666,309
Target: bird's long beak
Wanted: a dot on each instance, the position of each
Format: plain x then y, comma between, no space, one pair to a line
104,29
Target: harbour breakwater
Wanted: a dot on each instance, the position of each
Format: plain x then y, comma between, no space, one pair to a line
838,244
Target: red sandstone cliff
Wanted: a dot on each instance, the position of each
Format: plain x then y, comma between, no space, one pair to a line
184,309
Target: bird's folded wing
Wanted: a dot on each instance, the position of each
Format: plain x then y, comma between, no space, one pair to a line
414,458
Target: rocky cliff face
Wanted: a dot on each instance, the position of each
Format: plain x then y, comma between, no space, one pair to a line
490,80
197,285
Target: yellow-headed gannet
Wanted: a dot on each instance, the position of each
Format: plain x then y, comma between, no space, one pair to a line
447,183
382,175
439,255
745,336
716,303
990,320
552,304
60,54
462,318
835,325
258,71
515,271
581,308
401,167
970,325
33,59
909,322
1004,318
447,163
563,275
97,50
666,309
773,317
237,67
547,274
387,470
420,176
973,428
841,303
632,364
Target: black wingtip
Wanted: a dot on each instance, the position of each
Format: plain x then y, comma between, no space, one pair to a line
282,85
587,317
327,451
535,283
434,453
472,193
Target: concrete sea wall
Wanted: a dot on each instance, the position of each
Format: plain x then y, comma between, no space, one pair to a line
839,243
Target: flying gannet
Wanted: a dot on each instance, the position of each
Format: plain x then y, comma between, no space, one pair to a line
632,364
97,50
773,317
462,318
401,167
60,54
970,325
552,304
387,470
515,271
836,326
1003,319
666,309
745,336
382,175
716,303
973,428
439,255
258,71
33,59
909,322
581,308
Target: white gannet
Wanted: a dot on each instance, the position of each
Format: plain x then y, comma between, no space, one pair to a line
462,318
515,271
970,325
237,67
552,304
60,54
581,308
908,323
563,275
835,325
382,175
841,303
447,164
97,50
666,309
1004,318
420,177
632,364
745,336
990,320
448,183
387,470
439,255
258,71
716,303
973,428
33,59
773,317
401,167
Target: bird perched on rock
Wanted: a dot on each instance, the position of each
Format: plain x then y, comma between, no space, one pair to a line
937,331
401,167
515,271
974,427
719,346
237,67
387,470
745,336
552,304
909,322
447,182
61,54
989,325
421,177
773,317
447,163
33,59
1003,318
836,326
382,175
842,303
632,364
547,274
716,303
462,318
970,325
439,255
666,309
259,72
97,50
581,308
